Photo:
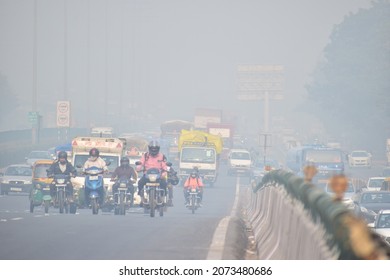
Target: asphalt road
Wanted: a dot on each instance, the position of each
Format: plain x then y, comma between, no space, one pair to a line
177,235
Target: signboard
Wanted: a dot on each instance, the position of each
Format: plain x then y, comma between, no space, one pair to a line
63,114
33,117
220,131
254,81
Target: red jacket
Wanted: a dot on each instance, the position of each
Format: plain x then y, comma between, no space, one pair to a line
148,162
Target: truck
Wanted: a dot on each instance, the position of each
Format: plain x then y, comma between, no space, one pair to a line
199,149
170,133
102,132
136,146
226,132
328,161
111,150
203,116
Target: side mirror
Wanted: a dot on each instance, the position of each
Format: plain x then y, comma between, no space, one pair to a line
108,163
79,166
169,164
138,163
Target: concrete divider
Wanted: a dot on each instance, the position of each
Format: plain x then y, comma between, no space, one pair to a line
291,219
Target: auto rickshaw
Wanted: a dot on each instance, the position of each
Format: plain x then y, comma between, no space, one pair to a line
40,191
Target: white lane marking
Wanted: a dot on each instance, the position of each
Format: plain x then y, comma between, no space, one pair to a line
218,243
3,220
38,216
16,219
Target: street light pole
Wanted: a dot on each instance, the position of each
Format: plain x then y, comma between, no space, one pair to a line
35,93
106,65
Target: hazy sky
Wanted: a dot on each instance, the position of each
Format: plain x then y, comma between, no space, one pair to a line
163,57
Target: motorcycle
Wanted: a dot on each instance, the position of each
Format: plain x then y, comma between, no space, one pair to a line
193,199
123,197
155,195
62,199
94,183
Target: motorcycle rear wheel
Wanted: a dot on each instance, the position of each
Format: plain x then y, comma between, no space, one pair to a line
152,202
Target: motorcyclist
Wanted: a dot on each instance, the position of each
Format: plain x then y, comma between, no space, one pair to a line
95,160
173,180
152,159
64,167
124,171
194,180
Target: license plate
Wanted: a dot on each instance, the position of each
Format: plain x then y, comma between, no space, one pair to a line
93,178
122,189
61,185
46,189
153,184
15,189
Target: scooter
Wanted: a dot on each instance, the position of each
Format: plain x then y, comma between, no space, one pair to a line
94,185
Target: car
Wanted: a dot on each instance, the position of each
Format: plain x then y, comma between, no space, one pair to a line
368,204
17,178
348,195
382,225
359,158
259,169
375,183
36,155
239,162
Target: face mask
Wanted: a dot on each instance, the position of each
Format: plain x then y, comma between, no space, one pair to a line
63,162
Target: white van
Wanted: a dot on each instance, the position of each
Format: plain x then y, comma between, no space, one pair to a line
239,162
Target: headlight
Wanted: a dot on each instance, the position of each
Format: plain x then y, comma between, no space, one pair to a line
61,181
27,182
363,209
152,177
38,186
5,181
122,185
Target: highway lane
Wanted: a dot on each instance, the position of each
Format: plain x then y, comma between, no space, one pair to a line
177,235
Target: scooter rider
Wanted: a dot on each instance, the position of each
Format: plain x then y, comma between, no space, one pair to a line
95,160
152,159
193,180
64,167
124,171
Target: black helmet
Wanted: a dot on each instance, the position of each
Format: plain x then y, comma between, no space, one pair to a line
62,154
154,148
194,172
94,152
125,161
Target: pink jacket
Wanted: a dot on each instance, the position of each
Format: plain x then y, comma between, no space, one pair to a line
148,161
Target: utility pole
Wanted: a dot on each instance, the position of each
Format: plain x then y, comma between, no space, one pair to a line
88,62
265,142
106,65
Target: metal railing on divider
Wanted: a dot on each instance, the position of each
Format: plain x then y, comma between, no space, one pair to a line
293,219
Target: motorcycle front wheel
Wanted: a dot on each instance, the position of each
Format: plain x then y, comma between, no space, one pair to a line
152,202
95,206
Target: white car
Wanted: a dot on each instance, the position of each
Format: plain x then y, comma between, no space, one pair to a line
382,225
359,158
375,183
239,162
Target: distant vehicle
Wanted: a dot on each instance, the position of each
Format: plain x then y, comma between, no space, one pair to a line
382,225
386,172
36,155
375,183
17,178
328,161
102,132
359,158
240,162
259,169
368,204
348,195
